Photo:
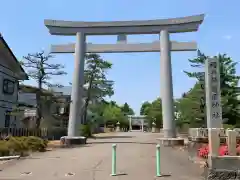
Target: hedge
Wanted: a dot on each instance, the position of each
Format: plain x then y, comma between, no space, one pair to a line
22,145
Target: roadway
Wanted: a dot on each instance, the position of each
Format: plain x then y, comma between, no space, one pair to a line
135,160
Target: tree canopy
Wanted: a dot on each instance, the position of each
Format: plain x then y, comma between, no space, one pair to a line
126,109
190,105
40,69
145,108
153,112
98,86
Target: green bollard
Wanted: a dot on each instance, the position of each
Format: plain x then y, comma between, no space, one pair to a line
158,171
114,166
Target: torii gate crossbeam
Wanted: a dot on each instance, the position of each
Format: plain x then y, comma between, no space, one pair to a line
125,47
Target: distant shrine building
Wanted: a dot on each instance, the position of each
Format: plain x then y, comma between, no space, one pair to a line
137,123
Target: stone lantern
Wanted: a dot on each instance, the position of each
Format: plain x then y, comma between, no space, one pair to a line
118,127
153,127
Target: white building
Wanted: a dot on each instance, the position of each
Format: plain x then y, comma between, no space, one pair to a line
10,73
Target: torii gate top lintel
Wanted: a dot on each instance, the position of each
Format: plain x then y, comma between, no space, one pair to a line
173,25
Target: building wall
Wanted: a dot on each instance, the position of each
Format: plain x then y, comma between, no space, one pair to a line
137,120
27,118
8,99
49,108
27,98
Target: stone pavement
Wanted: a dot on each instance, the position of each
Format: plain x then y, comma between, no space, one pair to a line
135,160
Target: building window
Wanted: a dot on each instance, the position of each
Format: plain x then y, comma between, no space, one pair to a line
8,86
7,119
65,123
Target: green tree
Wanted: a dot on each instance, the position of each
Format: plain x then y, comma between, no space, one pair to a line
113,103
144,108
189,107
113,114
98,110
229,84
153,112
95,77
127,110
41,70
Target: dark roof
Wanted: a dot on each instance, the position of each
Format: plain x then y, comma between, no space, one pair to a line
14,57
32,89
65,90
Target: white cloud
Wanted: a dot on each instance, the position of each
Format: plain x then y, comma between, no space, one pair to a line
227,37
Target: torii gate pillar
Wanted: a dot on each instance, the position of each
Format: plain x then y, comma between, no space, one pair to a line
77,87
166,86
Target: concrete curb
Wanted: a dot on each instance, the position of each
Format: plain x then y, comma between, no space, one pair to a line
57,143
104,134
4,158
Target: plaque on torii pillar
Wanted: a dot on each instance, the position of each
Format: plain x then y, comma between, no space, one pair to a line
163,27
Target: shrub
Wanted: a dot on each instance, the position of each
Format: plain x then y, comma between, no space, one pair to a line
22,145
203,151
4,150
17,145
238,150
228,126
35,143
85,130
223,151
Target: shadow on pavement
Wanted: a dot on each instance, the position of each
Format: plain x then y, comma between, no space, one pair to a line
112,137
121,142
121,174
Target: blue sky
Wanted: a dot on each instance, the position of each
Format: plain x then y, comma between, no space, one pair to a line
136,75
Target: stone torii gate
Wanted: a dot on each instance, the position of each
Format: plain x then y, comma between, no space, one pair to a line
163,27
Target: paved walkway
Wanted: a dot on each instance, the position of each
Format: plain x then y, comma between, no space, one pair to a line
135,160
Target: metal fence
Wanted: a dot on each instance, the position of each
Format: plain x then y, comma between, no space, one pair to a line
46,133
17,132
